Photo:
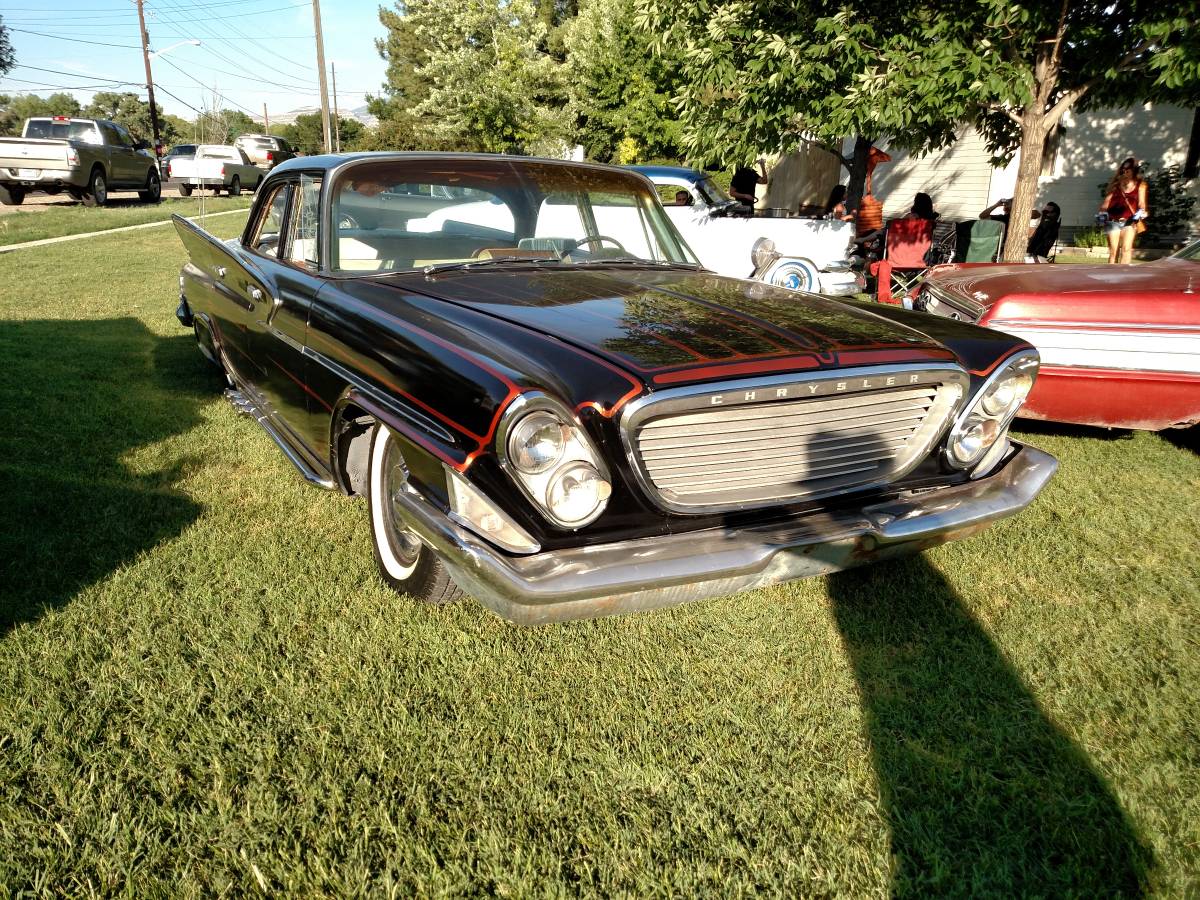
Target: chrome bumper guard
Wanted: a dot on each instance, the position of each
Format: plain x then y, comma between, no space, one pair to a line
648,573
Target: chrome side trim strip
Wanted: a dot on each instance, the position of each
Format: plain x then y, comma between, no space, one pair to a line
648,573
414,416
242,403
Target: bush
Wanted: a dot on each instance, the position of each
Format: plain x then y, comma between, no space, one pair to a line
1171,203
1090,237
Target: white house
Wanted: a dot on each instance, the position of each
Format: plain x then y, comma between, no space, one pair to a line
963,182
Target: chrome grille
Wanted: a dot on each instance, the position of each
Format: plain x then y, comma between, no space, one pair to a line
697,454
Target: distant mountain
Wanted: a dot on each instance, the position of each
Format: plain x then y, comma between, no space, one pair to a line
361,113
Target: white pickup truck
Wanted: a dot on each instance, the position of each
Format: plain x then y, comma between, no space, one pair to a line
216,166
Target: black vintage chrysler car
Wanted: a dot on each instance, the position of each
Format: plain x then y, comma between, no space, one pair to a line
551,406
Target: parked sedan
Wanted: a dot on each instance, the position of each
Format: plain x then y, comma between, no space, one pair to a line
566,418
1120,345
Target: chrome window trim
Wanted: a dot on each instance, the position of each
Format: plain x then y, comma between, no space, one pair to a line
682,399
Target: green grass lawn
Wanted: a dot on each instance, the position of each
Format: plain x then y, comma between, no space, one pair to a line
205,688
17,226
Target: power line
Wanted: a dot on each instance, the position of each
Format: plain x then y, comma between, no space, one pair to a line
178,9
251,113
74,40
75,19
71,87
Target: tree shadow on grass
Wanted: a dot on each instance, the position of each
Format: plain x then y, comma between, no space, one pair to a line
984,794
80,396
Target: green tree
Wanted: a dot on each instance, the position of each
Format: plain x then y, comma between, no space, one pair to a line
130,110
619,92
472,74
307,135
8,59
14,110
773,76
221,126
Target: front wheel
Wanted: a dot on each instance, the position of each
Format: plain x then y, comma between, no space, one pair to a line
153,190
235,187
11,196
407,565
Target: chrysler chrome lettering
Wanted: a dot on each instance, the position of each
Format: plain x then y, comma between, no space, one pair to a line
818,388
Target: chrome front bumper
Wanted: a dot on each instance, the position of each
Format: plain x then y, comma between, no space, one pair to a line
648,573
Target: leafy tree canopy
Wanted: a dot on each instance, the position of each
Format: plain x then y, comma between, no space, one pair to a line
14,110
619,91
773,76
130,110
307,134
7,58
474,74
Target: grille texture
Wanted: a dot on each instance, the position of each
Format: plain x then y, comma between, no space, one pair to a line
790,448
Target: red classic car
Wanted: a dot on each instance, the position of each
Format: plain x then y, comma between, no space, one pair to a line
1120,345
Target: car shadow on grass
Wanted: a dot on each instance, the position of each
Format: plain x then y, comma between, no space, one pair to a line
984,794
80,397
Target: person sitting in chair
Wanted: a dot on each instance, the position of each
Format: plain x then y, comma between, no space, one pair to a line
744,183
1043,238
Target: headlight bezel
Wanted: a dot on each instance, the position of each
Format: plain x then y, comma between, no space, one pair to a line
976,414
537,486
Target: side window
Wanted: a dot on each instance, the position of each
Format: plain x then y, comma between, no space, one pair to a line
123,136
302,248
245,159
110,134
270,225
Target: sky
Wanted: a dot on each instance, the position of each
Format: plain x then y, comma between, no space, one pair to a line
251,51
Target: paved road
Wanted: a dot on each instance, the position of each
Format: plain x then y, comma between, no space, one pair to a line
38,202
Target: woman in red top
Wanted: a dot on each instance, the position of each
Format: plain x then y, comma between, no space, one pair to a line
1124,206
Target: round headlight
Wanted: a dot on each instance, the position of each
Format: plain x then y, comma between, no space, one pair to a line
762,253
537,442
1007,393
976,436
576,493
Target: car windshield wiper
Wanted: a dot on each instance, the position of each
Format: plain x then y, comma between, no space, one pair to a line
435,268
636,261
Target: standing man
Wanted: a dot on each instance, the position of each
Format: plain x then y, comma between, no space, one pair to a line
745,181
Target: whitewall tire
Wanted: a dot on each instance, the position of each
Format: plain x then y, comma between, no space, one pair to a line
407,565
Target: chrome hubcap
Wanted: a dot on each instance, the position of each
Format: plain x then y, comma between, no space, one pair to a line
405,544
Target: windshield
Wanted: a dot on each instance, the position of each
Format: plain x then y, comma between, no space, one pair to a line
1191,251
396,215
712,194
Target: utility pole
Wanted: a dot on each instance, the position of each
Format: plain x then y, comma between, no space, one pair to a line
337,125
150,81
327,134
266,121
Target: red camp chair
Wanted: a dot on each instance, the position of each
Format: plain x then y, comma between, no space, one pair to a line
906,247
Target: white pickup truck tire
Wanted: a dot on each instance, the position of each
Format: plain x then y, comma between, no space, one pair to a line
11,196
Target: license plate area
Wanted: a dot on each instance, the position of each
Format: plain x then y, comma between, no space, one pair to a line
29,173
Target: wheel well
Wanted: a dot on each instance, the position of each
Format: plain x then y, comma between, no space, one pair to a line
352,448
92,173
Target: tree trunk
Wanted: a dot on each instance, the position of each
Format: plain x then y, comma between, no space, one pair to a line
858,171
1033,141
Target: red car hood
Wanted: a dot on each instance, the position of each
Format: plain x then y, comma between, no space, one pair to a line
1166,291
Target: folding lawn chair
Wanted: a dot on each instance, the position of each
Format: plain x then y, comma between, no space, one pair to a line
979,240
905,249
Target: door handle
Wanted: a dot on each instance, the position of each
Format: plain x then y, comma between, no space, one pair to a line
220,271
255,294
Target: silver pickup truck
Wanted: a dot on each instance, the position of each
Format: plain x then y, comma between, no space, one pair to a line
87,158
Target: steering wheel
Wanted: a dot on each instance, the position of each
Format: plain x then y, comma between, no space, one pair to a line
594,240
345,220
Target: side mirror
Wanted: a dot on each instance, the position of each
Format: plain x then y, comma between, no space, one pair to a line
141,145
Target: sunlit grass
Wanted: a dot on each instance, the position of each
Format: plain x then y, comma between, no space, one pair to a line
34,224
204,687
